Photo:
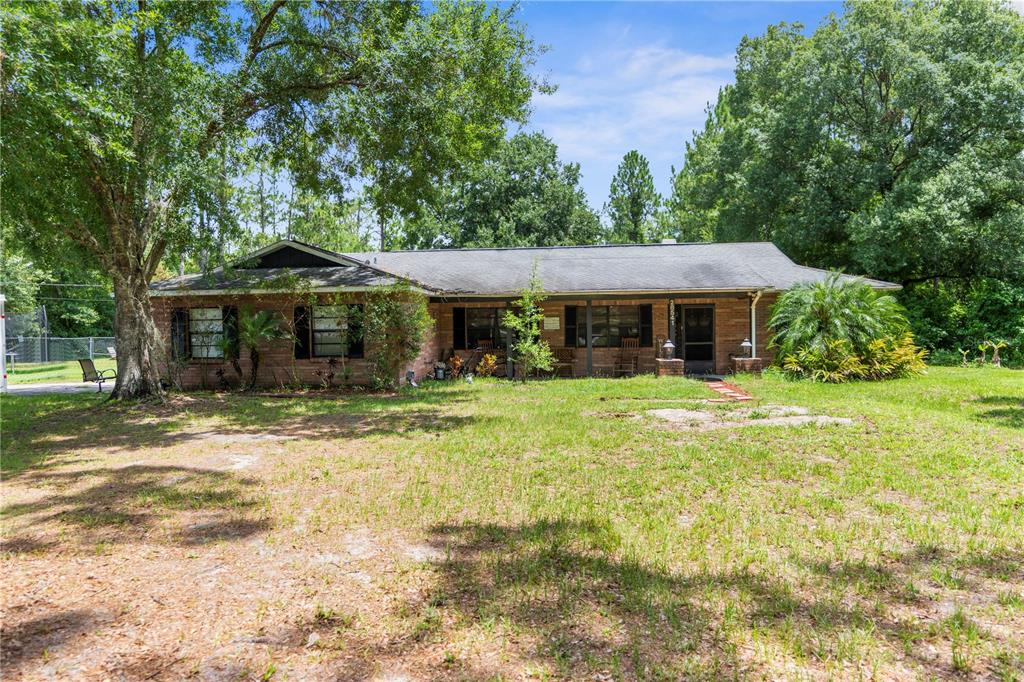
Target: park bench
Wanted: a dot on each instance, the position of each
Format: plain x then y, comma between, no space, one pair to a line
89,373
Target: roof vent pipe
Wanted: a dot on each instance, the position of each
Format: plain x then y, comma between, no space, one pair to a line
668,240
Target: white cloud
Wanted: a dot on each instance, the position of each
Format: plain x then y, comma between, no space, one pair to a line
647,97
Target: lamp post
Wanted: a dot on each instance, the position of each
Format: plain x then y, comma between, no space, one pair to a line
668,350
748,348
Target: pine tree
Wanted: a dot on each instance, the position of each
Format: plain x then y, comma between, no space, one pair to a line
633,201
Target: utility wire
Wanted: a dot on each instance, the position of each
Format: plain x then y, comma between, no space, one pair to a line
60,284
77,300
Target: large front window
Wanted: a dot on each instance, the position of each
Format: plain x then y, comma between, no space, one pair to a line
610,324
206,332
478,328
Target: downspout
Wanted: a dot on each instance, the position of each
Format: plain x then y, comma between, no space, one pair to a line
754,298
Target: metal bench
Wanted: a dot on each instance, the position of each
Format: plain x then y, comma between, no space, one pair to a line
90,373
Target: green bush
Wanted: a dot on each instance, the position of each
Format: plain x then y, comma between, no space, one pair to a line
832,362
524,318
840,330
953,315
395,320
811,314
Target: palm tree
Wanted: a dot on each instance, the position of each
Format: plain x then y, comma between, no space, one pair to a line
811,315
255,328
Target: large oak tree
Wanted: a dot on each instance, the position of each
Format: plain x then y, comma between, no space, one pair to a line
118,117
888,142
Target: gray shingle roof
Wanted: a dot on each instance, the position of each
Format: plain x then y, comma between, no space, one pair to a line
648,268
740,266
338,277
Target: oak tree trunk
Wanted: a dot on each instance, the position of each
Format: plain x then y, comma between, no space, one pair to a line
139,349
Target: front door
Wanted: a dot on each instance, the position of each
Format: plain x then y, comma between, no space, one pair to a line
695,337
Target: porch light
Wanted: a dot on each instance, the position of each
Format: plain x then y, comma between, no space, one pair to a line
747,348
668,350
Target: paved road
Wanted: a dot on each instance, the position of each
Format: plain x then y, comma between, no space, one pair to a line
44,388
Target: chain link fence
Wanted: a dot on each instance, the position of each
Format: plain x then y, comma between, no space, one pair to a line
58,349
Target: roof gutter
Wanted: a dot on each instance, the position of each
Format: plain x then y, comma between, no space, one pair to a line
601,292
260,292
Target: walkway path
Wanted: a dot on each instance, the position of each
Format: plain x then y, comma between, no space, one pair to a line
43,388
728,391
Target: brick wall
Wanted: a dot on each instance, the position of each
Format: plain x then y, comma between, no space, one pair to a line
732,326
278,367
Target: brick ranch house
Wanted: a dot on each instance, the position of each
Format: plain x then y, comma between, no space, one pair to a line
706,298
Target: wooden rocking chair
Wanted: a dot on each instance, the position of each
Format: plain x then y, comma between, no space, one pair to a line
629,357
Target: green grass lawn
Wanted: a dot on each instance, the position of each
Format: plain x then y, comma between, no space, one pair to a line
39,372
553,530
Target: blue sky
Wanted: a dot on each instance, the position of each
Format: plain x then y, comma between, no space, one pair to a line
639,75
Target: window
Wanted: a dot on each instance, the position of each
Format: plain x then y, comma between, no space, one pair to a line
476,327
324,331
206,332
610,324
179,334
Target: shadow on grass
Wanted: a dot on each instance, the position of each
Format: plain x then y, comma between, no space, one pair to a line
40,430
1004,410
590,610
126,505
27,640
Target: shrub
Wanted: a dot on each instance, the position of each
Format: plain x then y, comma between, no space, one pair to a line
487,365
395,320
812,314
456,366
255,328
893,358
838,330
833,362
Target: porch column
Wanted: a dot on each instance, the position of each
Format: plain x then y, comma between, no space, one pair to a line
754,298
510,369
672,322
590,338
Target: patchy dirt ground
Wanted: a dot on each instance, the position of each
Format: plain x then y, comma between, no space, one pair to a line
173,565
504,532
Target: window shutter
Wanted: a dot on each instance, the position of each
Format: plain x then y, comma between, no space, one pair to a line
459,328
570,326
230,319
179,334
646,325
355,332
302,341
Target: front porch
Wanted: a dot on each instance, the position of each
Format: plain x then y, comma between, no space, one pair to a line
615,336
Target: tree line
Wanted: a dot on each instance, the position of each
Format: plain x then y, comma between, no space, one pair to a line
145,138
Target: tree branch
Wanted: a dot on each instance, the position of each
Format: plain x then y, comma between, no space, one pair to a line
156,253
81,235
260,32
